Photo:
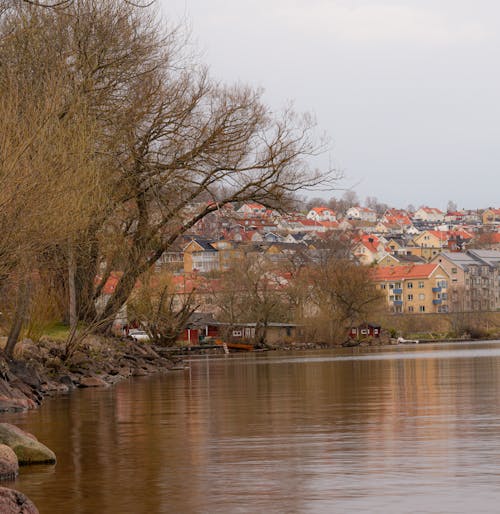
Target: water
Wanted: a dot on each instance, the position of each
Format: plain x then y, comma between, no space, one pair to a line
413,429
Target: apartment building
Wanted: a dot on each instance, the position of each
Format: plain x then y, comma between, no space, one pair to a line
474,279
414,288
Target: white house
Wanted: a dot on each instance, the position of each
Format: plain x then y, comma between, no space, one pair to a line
429,214
252,209
361,213
322,214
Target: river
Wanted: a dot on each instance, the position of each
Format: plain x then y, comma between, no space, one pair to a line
406,429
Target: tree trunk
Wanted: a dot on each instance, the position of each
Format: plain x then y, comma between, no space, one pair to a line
118,298
22,303
73,316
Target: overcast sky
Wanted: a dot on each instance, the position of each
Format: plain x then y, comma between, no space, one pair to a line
407,90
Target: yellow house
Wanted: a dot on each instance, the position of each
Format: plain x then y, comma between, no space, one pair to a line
200,255
430,243
413,288
491,217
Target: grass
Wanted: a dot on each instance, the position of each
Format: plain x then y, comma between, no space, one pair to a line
57,332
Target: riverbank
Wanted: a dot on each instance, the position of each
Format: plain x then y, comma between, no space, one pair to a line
41,369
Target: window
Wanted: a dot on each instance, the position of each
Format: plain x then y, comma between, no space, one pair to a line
421,296
382,286
409,285
410,308
454,270
410,297
421,285
422,308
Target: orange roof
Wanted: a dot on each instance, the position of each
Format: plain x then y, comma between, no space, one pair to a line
320,209
440,234
111,282
408,271
310,223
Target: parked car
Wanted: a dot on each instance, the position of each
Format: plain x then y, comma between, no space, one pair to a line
138,335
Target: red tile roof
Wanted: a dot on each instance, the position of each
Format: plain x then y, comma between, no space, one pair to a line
409,271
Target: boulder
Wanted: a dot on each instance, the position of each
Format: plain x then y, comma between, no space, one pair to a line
92,382
14,502
9,466
27,448
67,381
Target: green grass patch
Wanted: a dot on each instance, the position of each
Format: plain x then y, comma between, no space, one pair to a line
57,332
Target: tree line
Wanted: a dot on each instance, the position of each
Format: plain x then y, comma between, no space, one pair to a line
111,131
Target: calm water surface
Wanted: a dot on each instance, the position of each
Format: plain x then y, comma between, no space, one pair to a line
413,429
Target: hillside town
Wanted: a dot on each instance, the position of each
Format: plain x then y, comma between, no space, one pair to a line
421,261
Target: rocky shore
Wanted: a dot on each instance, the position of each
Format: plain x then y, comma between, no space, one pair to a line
41,369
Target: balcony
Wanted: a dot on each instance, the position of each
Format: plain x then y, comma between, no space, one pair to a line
398,303
437,302
397,291
436,289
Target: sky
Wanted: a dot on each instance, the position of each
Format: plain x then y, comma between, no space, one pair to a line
406,90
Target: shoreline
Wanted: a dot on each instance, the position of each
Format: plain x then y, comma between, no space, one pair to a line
39,370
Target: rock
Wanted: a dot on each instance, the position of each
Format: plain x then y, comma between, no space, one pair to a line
54,387
25,373
67,381
139,372
14,502
8,405
27,448
9,466
92,382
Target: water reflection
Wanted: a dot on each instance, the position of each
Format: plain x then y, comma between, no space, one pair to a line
410,429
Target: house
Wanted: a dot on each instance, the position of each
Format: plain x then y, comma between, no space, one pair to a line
429,214
388,228
474,279
491,217
368,249
198,328
361,213
414,288
455,217
399,258
365,330
430,242
172,259
322,214
309,225
201,256
397,217
275,333
252,209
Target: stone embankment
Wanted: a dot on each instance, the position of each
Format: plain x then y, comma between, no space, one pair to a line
42,369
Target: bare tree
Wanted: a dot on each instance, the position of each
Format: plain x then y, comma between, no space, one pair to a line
343,294
252,291
160,309
166,137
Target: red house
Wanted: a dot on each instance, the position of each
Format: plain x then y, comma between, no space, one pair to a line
365,330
